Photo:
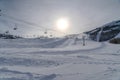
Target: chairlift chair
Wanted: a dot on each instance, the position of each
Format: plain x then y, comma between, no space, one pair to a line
15,28
51,35
45,32
7,32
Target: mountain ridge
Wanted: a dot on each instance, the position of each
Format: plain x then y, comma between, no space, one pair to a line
105,32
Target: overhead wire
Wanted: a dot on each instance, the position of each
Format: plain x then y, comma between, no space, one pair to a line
31,23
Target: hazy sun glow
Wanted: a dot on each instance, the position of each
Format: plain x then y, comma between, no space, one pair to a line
62,24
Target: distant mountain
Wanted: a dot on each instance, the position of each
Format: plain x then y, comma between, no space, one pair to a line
8,36
105,32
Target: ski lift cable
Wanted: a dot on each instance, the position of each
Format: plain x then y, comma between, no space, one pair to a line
19,20
30,23
15,26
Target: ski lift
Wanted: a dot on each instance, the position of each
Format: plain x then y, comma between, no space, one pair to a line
45,32
15,28
51,35
7,32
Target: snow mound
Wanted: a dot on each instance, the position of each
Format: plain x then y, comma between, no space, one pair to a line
94,61
6,74
26,62
63,44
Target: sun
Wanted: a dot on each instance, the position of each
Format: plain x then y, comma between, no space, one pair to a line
62,24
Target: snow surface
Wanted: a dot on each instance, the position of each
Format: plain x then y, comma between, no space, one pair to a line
118,36
58,59
112,23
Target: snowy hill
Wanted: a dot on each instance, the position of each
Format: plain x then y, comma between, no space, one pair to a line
58,59
105,32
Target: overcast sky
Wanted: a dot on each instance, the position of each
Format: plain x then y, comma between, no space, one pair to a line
82,14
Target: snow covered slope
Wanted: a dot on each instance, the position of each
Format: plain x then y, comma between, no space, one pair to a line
58,59
118,36
108,31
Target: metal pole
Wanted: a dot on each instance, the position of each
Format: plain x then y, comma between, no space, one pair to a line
83,37
0,12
